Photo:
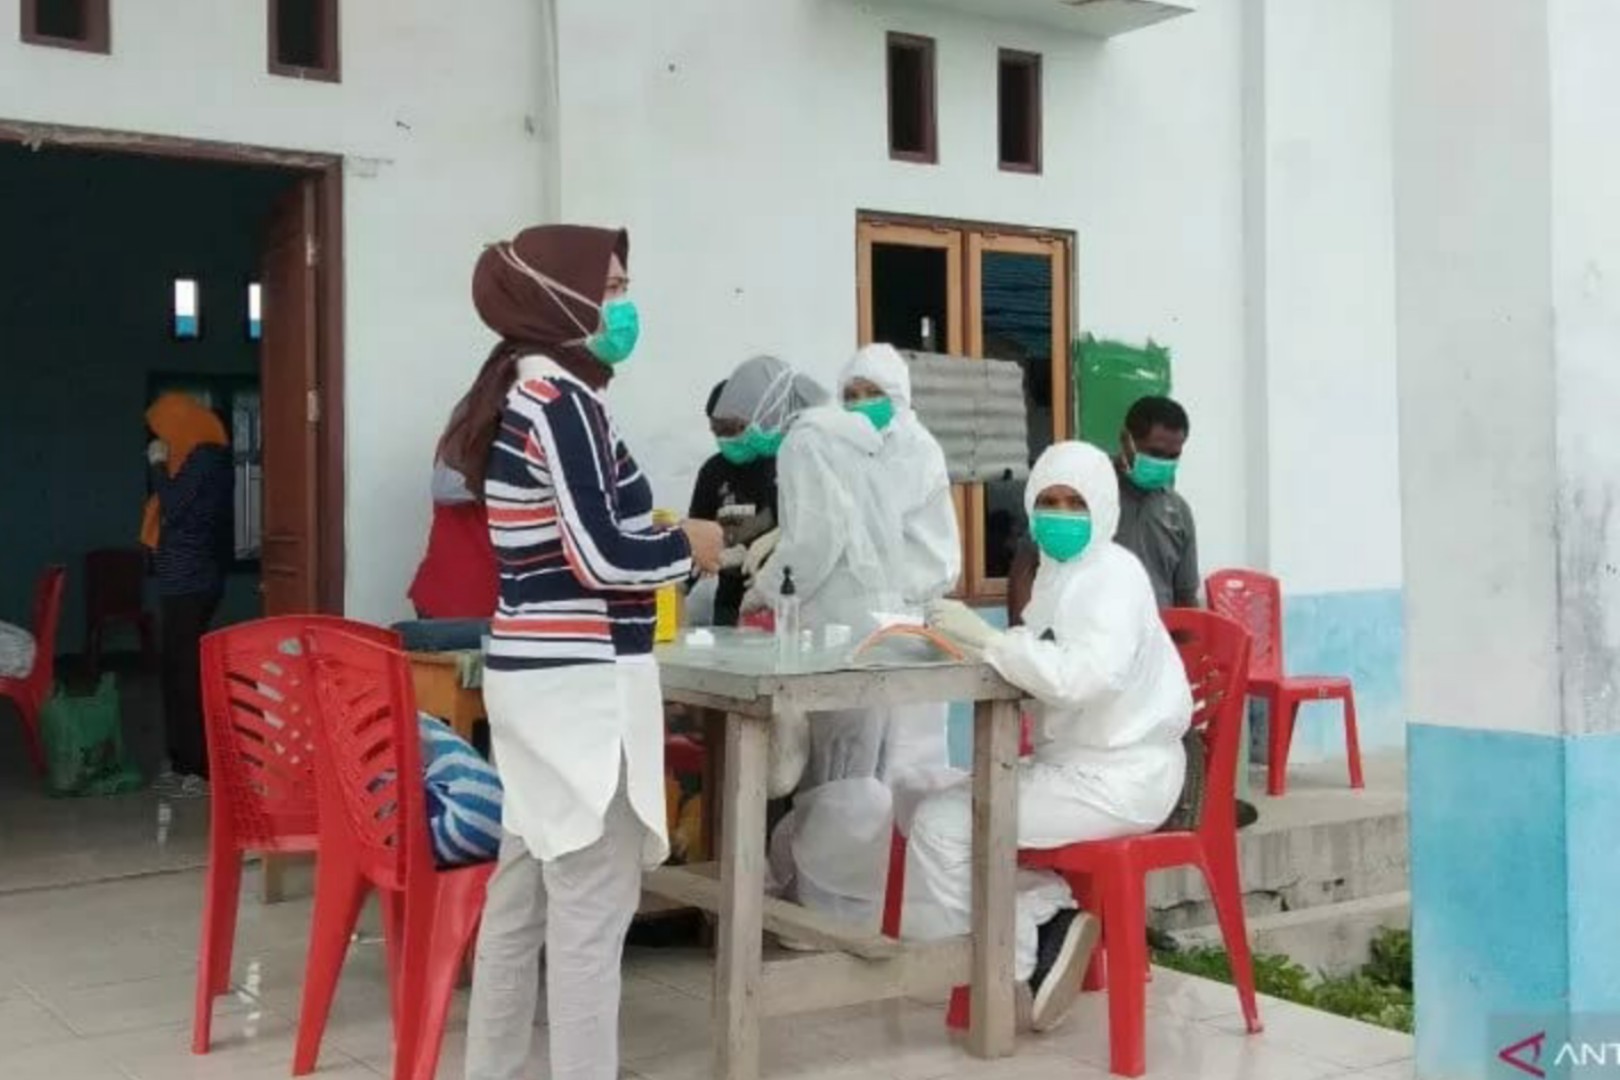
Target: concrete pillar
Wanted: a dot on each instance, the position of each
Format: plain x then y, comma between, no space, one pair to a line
1507,161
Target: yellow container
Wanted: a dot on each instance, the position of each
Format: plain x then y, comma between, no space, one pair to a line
668,623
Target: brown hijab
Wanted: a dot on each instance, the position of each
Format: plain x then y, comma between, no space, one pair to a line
531,319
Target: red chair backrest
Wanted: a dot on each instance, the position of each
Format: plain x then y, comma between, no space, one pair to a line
260,711
113,580
369,767
1215,652
47,617
1254,600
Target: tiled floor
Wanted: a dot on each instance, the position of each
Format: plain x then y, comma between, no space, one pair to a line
95,984
99,902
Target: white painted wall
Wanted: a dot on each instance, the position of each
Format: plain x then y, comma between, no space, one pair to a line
433,116
1323,158
1478,398
1585,114
738,140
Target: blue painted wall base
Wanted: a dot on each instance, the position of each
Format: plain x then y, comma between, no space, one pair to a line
1514,888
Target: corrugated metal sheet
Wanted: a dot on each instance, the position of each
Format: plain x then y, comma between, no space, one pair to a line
975,408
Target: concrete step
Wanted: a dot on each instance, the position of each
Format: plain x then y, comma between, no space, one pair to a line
1333,939
1321,844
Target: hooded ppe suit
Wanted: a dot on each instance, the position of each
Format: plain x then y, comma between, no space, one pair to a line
912,474
1114,704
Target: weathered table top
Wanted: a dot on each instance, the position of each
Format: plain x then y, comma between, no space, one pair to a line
742,673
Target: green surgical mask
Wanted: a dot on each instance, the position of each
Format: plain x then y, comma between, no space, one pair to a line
1151,473
879,410
764,444
736,450
1061,534
621,329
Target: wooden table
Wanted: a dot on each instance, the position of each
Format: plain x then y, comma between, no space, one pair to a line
440,692
861,965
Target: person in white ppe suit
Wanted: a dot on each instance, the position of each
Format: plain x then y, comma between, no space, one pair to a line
911,468
1114,704
842,540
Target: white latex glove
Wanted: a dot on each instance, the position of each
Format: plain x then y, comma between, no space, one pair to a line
760,551
732,558
753,602
157,452
961,624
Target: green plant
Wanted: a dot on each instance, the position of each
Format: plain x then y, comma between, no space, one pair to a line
1381,993
1390,961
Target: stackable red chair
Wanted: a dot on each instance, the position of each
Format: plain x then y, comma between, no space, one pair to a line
1108,877
1255,600
28,692
259,712
374,835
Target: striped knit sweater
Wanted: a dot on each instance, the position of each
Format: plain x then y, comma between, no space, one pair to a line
570,515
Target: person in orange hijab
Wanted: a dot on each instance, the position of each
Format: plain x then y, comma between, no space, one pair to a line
188,526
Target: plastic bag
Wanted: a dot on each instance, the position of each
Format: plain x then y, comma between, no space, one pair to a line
84,743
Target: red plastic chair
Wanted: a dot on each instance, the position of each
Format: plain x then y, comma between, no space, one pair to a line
114,594
1108,877
28,692
374,834
259,712
1254,600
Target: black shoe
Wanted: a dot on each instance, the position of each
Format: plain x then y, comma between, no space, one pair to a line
1062,951
1246,814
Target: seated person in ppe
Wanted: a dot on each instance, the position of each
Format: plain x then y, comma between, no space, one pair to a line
911,471
1113,706
842,541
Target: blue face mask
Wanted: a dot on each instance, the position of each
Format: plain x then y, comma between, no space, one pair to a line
621,329
1061,534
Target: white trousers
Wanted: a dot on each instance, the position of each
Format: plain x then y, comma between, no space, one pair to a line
579,907
1055,807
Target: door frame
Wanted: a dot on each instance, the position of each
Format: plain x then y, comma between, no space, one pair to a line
327,172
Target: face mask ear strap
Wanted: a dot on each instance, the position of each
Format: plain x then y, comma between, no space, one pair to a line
555,290
776,394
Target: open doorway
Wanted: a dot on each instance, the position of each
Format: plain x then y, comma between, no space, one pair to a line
132,266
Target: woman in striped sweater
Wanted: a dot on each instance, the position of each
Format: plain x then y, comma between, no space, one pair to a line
575,710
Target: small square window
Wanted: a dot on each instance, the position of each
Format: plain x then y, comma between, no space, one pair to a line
67,24
304,39
255,311
1019,111
187,323
913,134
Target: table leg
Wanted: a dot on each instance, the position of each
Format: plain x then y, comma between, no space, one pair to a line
995,868
742,893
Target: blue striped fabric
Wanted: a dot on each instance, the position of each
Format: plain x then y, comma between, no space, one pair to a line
570,516
463,797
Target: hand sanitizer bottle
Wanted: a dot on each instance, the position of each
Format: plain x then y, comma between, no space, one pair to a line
788,643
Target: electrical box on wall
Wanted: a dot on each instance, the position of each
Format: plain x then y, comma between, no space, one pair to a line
1092,18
